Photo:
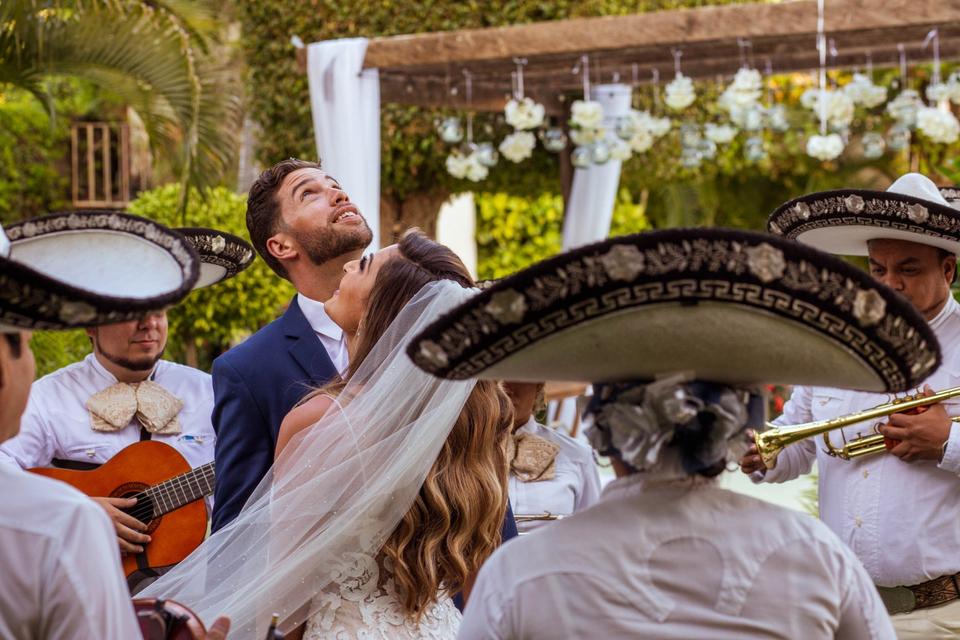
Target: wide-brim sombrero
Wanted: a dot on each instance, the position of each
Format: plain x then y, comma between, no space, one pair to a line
951,195
726,306
844,221
85,268
222,255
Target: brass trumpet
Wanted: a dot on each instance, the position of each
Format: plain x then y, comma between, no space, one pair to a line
772,441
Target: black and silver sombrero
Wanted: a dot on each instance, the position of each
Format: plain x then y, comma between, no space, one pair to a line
843,221
951,195
222,255
727,306
85,268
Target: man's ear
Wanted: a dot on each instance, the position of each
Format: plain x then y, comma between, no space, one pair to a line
950,269
281,246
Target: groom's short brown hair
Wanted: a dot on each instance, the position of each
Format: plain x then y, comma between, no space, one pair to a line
263,208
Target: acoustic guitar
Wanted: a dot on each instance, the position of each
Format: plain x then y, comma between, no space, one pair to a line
169,499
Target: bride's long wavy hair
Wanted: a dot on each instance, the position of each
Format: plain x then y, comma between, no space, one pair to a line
454,524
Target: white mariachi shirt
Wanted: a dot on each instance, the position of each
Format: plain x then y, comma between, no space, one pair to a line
61,571
56,423
575,486
902,519
676,560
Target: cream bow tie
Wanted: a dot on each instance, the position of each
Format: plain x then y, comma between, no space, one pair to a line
156,408
531,457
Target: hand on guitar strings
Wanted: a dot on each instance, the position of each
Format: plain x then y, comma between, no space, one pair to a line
128,528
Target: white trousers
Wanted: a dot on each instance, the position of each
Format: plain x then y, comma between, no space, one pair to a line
932,623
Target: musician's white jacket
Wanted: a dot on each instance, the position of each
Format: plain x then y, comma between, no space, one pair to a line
56,423
901,519
576,484
61,571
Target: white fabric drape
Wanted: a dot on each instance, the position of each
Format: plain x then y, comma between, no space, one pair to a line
345,102
594,189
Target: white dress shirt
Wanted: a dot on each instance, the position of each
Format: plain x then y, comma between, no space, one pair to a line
330,334
677,561
56,423
575,486
902,519
61,569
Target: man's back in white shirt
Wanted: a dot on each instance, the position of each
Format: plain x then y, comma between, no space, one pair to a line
60,564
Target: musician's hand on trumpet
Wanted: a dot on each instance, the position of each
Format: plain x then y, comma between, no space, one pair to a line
751,460
921,436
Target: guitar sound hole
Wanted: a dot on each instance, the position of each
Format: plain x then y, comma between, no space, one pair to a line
144,509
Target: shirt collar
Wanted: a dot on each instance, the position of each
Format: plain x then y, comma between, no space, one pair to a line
949,308
317,317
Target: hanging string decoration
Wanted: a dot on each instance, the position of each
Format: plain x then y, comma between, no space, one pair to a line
679,92
937,121
827,146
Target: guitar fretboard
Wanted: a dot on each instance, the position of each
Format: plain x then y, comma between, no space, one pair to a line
178,491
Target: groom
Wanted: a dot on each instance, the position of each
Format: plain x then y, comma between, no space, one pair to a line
306,229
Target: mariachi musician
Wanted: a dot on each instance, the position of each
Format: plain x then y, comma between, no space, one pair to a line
899,509
80,416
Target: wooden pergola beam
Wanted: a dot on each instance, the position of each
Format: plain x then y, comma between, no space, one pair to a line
656,29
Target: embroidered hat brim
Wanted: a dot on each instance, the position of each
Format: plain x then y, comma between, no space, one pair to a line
842,222
951,195
222,255
726,306
86,268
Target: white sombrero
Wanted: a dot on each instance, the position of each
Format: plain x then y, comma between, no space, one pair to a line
725,306
85,268
843,221
222,255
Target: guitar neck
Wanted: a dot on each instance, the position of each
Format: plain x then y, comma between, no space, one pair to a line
180,490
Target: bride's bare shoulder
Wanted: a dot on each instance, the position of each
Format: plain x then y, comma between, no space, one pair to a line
304,415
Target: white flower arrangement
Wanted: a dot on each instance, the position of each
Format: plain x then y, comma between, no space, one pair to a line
953,83
839,106
518,146
937,92
524,114
466,167
743,92
905,106
939,126
720,133
619,150
587,136
586,114
862,91
828,147
642,140
679,93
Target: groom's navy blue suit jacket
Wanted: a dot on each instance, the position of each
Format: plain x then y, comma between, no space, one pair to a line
255,385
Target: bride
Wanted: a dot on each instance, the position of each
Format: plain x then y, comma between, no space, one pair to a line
388,489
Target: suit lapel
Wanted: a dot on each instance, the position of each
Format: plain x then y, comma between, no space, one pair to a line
305,347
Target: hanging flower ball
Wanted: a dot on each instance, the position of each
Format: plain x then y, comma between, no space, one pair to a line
524,114
898,137
904,107
626,126
450,130
457,165
586,137
486,154
707,148
580,157
873,145
743,92
619,150
586,114
839,107
679,93
862,91
475,170
753,149
554,139
518,146
642,140
720,133
953,83
775,117
600,152
691,158
828,147
937,92
939,126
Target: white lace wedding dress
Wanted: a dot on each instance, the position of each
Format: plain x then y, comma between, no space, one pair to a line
362,603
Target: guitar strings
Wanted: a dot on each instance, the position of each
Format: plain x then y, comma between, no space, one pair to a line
144,510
